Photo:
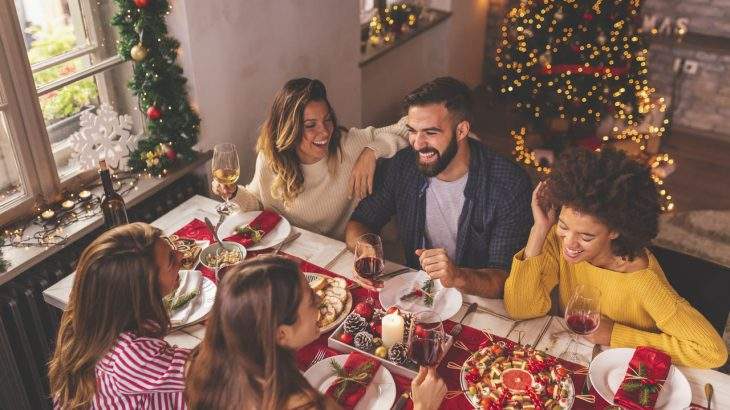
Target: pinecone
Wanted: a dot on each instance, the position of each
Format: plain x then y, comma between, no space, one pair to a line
355,324
378,315
398,353
364,341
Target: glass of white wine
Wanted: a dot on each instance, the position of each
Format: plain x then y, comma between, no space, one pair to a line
226,172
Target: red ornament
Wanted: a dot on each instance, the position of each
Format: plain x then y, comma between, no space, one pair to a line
364,310
171,154
376,328
588,16
346,338
141,3
153,113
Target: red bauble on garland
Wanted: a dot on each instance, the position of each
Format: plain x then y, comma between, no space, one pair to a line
171,154
153,113
141,3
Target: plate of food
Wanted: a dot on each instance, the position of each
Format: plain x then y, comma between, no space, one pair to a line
416,292
192,300
608,369
240,223
380,393
189,250
335,300
506,375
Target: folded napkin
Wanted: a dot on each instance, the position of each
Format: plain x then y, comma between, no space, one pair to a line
252,233
183,301
196,229
353,379
645,377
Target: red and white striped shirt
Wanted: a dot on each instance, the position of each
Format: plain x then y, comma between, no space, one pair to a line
141,373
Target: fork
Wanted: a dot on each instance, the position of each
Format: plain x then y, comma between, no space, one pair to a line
318,357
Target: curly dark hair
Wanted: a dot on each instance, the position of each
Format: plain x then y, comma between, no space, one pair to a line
612,187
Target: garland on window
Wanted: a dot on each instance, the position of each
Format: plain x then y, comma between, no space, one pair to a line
3,263
158,83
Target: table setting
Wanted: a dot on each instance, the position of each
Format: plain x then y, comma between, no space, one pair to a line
470,356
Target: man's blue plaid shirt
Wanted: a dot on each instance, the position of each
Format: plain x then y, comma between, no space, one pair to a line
494,222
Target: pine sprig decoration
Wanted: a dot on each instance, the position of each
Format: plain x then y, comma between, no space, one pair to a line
359,375
157,82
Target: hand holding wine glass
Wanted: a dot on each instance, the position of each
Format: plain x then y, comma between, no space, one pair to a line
369,259
226,170
583,313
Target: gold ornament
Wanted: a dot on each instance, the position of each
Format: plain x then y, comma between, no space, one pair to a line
138,52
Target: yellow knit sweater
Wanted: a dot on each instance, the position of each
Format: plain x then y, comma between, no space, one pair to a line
646,310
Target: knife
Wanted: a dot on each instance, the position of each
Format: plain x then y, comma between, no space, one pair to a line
587,385
401,402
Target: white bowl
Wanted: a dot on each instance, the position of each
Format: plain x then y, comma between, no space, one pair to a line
212,249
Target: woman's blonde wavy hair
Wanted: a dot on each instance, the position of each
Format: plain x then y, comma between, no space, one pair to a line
281,134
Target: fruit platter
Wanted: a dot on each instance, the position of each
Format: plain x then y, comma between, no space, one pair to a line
505,375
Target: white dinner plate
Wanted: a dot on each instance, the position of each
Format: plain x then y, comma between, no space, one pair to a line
608,369
380,393
280,232
447,301
201,304
311,276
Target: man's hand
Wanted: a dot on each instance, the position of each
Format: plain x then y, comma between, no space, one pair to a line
602,335
437,264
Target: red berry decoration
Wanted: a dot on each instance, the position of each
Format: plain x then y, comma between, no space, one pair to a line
141,3
171,154
364,310
153,113
346,338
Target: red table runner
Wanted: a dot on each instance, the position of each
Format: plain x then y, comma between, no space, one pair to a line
471,338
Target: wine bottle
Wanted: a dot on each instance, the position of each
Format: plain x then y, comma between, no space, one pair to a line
112,205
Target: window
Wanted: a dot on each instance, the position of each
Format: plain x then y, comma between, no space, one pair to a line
61,62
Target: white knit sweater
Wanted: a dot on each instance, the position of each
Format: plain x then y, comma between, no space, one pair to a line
323,205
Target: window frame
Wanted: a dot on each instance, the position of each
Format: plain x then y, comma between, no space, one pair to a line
28,134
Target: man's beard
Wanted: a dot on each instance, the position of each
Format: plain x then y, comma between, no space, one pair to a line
442,161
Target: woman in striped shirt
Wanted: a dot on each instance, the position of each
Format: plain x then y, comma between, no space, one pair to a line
110,353
264,311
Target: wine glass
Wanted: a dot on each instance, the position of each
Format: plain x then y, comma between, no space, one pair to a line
426,338
583,313
226,172
369,259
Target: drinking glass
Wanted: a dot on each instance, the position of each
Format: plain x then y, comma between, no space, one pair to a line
369,259
583,313
226,171
426,338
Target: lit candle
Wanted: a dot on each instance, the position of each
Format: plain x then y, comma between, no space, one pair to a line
84,195
393,327
67,204
48,214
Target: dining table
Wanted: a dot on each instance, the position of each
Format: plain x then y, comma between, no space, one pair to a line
331,256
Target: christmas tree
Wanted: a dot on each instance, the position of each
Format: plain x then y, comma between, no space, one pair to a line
566,66
159,84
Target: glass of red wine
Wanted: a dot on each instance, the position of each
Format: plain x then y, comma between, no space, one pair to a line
369,259
583,313
426,338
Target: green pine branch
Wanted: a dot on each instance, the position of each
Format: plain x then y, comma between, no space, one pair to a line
157,81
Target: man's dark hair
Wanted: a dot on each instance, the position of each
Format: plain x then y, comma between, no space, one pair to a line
612,187
453,93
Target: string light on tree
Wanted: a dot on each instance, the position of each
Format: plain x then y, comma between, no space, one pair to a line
568,66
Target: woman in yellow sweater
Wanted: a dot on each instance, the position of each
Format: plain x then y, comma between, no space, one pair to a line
594,218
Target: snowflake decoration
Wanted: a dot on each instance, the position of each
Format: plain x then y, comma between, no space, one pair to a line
105,135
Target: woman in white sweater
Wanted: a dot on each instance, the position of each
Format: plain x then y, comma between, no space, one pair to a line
309,169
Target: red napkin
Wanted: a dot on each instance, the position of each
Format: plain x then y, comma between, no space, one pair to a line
195,229
354,390
265,222
645,376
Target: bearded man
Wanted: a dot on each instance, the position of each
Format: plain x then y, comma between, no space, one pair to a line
462,210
